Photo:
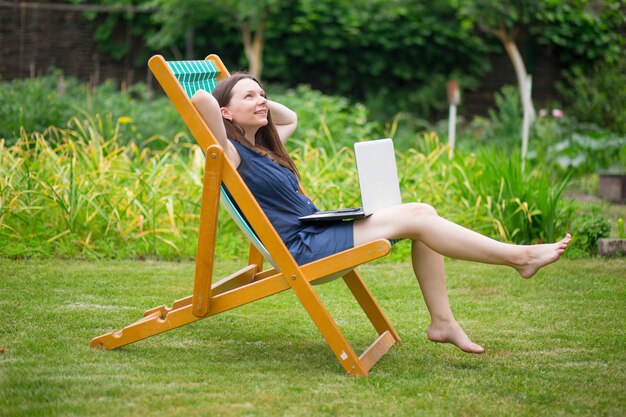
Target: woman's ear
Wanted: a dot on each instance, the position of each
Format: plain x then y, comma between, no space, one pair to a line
226,114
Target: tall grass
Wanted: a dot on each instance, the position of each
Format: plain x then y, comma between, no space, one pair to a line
486,191
85,194
79,192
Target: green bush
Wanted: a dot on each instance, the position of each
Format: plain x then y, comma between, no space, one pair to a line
504,129
52,100
588,226
393,55
34,104
326,121
598,96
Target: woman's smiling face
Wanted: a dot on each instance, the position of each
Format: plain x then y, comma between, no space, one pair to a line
247,107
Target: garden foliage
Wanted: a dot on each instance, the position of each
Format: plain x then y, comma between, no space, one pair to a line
80,192
51,100
395,55
598,96
561,140
107,185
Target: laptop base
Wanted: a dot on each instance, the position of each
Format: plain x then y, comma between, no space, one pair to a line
331,215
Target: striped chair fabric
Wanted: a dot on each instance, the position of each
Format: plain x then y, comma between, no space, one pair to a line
195,75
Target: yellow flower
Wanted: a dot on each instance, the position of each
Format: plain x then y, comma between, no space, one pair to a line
124,120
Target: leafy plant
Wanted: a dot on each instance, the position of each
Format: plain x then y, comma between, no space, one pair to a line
79,192
598,96
506,118
583,153
588,227
52,100
33,104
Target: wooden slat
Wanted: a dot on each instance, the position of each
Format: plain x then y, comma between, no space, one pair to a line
236,280
207,230
346,260
381,345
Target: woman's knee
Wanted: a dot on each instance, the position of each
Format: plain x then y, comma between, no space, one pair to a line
421,209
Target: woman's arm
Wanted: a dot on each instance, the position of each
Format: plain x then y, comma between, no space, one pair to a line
285,120
209,109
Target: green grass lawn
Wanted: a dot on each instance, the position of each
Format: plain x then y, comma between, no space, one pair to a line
556,345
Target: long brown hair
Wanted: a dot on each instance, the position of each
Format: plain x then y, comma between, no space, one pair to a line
267,141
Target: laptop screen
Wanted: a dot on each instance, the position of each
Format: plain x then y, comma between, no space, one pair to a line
378,174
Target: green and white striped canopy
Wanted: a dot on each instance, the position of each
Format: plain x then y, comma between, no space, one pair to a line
195,75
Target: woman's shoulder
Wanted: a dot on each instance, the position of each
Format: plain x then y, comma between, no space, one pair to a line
240,147
247,156
246,150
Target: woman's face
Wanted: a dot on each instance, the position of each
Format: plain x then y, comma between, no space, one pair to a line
248,106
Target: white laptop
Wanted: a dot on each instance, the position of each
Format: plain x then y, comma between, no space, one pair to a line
378,181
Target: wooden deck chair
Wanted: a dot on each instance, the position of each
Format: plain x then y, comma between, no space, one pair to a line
180,80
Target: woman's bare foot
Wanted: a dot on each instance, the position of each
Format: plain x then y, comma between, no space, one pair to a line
538,256
452,333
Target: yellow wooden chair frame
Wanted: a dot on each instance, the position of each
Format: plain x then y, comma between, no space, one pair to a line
252,282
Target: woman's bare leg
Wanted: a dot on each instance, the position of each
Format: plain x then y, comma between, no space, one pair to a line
434,237
418,221
429,270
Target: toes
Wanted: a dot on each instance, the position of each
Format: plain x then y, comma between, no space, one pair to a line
473,348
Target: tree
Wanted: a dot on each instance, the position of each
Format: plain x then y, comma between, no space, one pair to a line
504,19
586,30
251,19
592,27
394,55
180,18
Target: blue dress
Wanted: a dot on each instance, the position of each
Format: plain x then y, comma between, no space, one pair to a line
276,190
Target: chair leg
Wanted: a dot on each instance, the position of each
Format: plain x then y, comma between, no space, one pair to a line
340,346
369,305
162,318
236,280
147,326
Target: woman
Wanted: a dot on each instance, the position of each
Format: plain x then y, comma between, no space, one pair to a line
252,130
